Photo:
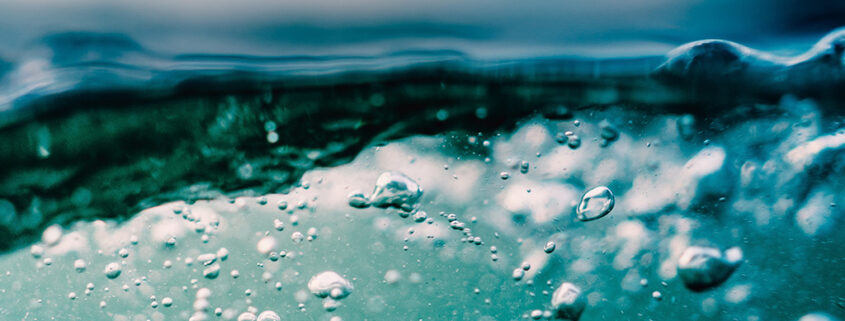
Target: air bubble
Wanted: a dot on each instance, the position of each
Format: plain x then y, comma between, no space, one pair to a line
572,140
518,274
36,251
211,272
524,166
79,265
657,295
283,205
268,316
568,302
112,270
701,268
549,247
358,200
278,225
420,216
396,190
247,316
595,204
52,235
207,258
266,244
329,283
223,254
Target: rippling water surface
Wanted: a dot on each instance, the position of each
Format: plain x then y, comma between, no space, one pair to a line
254,163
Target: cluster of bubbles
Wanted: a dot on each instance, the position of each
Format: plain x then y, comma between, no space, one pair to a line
392,189
330,287
699,268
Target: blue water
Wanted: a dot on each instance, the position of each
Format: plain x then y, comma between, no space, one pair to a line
422,160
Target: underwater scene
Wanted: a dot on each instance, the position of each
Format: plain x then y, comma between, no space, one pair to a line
330,160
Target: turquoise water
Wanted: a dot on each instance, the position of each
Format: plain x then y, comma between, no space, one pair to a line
394,166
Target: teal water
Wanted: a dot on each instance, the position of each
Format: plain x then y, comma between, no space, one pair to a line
700,183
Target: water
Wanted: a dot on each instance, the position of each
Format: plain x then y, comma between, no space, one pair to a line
454,168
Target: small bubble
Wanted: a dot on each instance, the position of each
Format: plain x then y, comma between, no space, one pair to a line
36,251
297,237
686,126
518,274
312,233
283,205
112,270
272,137
420,216
524,166
358,200
79,265
608,133
573,141
549,247
211,272
278,225
223,254
207,258
52,235
266,244
392,276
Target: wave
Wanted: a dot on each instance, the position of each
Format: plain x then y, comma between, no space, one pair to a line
93,65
